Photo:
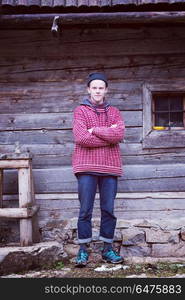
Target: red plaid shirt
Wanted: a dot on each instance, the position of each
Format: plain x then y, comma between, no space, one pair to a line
98,151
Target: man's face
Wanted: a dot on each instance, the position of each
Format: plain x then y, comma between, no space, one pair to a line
97,90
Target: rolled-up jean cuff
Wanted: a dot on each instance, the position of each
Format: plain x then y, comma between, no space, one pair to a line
83,241
101,238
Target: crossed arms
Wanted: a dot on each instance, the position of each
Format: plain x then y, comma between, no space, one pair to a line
97,136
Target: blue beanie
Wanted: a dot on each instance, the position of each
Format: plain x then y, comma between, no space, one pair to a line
97,76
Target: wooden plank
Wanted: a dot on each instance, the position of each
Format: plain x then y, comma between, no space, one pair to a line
46,217
136,178
118,46
36,121
58,3
106,2
144,204
152,196
1,188
82,3
147,111
30,21
44,136
130,150
71,3
55,120
14,164
80,35
35,227
54,161
113,42
94,3
37,136
168,139
127,205
144,67
18,213
25,200
46,3
36,97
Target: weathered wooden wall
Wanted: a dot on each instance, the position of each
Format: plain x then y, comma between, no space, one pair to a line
42,79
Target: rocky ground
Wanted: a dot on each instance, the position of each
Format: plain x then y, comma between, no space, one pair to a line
47,260
104,270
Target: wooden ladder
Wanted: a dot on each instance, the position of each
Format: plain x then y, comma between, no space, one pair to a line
27,210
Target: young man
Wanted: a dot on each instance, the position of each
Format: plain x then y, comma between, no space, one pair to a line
98,129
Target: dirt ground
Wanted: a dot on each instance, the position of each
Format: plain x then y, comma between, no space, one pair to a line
104,270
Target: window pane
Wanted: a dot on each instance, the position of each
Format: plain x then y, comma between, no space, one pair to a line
176,119
161,103
161,119
176,102
168,110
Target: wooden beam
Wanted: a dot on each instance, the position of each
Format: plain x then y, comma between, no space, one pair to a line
41,21
18,213
32,211
1,188
14,164
35,225
25,200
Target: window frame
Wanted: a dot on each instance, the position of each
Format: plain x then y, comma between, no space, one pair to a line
155,112
160,138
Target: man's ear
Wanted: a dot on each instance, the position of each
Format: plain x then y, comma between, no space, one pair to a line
88,90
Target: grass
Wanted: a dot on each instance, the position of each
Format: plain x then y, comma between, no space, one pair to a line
150,270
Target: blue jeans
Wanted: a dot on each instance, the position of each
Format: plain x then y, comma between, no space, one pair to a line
87,186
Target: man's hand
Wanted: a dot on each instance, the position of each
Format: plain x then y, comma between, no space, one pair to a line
90,130
112,126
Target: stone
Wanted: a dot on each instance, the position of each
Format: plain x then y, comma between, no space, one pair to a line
144,223
122,223
143,275
71,249
73,223
133,260
174,224
168,250
117,235
139,251
17,259
96,247
96,222
95,234
182,234
137,239
132,236
174,238
161,236
105,268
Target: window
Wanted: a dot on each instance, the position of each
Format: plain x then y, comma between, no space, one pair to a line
168,111
164,115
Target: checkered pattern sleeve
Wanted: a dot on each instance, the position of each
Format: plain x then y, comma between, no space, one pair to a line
81,134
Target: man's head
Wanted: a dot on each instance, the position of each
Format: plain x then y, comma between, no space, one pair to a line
97,87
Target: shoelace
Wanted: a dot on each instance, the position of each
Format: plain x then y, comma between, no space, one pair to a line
82,256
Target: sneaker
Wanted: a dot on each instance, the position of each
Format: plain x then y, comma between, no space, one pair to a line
82,258
112,257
